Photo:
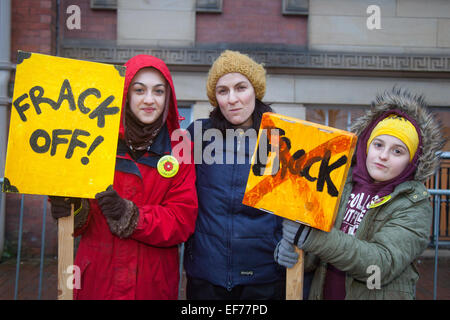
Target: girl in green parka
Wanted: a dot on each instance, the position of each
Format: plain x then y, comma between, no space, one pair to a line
384,218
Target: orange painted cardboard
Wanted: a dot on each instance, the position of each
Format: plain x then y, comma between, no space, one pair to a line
304,182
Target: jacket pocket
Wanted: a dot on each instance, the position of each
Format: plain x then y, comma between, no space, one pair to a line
402,288
79,283
398,295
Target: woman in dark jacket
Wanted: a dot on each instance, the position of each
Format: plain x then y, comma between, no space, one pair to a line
230,255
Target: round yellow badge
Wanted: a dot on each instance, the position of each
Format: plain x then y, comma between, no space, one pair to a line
168,166
380,201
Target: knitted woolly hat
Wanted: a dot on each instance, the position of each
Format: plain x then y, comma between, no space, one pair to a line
234,61
400,128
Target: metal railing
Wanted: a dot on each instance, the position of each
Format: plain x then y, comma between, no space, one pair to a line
42,249
437,194
19,244
440,192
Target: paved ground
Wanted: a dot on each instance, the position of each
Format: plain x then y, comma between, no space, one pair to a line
29,278
424,290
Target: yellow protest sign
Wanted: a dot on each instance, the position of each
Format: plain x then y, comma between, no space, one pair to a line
304,180
64,126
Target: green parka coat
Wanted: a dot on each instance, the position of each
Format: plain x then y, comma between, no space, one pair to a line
379,259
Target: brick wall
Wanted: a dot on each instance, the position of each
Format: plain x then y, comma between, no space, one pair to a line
97,25
32,29
251,21
33,26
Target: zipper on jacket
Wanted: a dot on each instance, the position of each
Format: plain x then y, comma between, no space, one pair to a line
229,228
229,284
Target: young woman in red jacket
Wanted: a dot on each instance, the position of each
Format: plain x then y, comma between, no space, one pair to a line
130,232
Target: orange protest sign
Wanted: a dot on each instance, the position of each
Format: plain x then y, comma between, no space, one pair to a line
304,180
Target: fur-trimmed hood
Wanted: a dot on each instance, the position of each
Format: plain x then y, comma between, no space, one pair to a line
415,107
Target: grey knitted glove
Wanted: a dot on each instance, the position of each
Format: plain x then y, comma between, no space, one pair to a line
285,254
295,233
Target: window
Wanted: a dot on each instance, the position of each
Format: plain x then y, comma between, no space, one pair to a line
342,118
443,116
336,117
210,6
295,7
104,4
185,110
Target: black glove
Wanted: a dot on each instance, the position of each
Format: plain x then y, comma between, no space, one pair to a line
61,206
112,205
121,215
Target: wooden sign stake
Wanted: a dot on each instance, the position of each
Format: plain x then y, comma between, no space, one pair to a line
294,278
65,255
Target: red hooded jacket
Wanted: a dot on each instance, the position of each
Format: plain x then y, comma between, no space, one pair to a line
146,264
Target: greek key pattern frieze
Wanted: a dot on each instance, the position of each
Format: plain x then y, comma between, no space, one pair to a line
299,59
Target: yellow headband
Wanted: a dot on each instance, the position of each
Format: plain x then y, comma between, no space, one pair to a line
400,128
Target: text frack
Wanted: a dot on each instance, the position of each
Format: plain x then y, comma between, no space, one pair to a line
36,95
292,182
299,164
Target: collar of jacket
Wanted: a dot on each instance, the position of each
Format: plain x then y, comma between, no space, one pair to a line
413,189
160,147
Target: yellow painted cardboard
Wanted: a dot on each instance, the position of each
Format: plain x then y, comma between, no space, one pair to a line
305,182
64,126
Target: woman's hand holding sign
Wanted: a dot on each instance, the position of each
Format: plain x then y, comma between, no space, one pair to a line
294,234
121,215
61,206
113,206
285,254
